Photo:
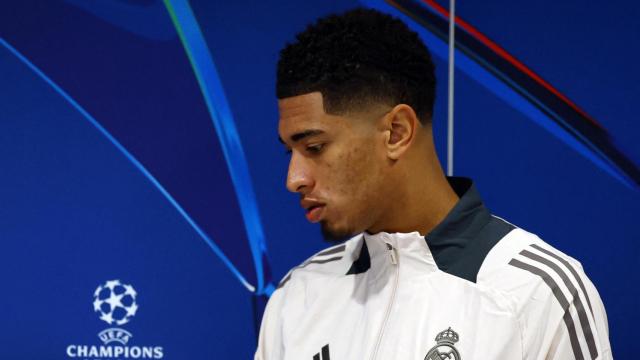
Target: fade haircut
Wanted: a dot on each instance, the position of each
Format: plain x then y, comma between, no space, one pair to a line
358,58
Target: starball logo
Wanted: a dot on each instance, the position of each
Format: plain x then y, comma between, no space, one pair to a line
115,303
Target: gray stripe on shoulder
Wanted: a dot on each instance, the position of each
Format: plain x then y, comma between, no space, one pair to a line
332,250
571,269
555,289
305,264
582,315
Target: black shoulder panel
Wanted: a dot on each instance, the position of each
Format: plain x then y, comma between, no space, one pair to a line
465,262
363,263
461,242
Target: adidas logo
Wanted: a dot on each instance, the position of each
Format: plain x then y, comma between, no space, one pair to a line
323,354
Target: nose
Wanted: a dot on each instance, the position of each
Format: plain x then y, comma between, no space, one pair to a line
299,175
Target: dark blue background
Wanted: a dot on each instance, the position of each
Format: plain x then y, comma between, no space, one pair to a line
75,212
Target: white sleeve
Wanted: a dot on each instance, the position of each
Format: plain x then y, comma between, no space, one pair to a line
602,324
559,311
270,342
564,347
577,329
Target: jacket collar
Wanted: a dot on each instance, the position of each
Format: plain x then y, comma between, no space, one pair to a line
464,220
460,242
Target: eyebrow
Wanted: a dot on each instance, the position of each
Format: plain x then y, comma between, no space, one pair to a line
301,135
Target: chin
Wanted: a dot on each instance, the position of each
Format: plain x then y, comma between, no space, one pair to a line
333,234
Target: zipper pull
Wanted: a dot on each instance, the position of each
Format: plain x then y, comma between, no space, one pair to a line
392,252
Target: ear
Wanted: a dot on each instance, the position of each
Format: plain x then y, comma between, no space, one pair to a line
401,124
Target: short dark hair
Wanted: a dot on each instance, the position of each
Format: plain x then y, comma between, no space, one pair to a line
356,58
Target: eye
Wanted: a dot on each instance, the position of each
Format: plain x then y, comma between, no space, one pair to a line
315,149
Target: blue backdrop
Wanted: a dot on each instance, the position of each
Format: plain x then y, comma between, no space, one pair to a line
138,143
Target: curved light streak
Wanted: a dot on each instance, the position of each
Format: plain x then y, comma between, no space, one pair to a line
214,96
487,75
133,160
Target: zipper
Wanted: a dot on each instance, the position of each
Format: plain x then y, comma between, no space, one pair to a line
393,255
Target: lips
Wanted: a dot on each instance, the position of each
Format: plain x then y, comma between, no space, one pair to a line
313,208
314,213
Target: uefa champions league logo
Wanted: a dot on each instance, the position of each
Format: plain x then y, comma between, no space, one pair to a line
116,304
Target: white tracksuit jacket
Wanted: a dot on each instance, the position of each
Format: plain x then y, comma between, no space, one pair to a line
478,288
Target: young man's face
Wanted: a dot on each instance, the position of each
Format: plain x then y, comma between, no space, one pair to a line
337,164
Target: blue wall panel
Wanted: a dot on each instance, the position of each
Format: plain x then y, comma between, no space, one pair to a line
76,213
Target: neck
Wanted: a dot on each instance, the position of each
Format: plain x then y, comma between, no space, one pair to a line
424,196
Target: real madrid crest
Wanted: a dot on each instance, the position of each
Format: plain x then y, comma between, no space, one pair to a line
444,348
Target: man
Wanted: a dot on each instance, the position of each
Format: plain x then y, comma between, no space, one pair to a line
430,273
